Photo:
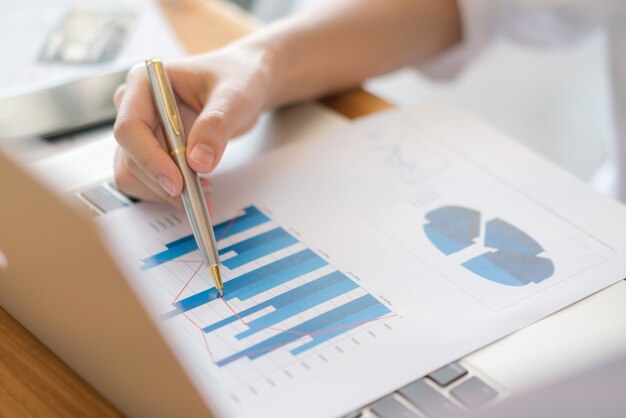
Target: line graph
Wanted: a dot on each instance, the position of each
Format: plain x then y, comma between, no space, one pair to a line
285,312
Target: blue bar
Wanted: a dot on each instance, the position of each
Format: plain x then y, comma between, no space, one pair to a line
257,247
259,280
249,219
355,320
277,273
324,321
340,287
174,250
195,301
252,217
291,297
228,320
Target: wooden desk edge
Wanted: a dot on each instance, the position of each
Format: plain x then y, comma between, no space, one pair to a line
33,380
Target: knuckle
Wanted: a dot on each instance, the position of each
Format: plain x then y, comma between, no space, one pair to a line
137,159
239,97
217,123
119,94
120,128
137,71
123,129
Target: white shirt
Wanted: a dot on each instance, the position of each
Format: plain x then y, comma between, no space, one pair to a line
549,23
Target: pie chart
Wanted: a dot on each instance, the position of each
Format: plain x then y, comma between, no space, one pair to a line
511,257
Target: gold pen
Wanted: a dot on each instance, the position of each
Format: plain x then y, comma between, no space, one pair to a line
192,196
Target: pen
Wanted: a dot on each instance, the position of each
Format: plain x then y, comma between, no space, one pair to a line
192,196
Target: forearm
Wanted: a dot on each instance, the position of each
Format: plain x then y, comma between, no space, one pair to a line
222,93
340,45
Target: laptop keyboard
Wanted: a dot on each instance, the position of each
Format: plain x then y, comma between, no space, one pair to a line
103,198
473,393
443,393
428,399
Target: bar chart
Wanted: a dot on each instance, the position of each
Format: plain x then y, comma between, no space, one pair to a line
274,321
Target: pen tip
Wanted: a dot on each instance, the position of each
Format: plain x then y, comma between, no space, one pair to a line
216,274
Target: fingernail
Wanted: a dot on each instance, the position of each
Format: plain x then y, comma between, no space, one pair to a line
203,155
167,185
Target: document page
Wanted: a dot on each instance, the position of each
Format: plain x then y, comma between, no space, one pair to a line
357,261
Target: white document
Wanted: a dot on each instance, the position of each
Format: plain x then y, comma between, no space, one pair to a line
359,261
25,26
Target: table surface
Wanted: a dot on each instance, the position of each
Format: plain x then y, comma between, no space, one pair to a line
34,382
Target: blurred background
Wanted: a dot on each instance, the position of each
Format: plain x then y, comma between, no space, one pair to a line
555,101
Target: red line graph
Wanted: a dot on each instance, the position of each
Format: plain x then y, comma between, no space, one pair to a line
251,325
188,281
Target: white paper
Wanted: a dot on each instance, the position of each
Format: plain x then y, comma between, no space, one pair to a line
25,25
358,200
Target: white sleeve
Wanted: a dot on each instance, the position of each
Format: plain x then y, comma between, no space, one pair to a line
533,22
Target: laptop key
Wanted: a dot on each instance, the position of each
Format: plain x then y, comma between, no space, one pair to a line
473,392
82,206
390,407
448,374
428,400
103,199
78,203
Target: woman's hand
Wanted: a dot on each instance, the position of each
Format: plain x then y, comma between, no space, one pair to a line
220,95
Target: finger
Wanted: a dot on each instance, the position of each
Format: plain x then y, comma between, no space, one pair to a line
225,114
207,189
117,97
152,190
134,131
144,189
209,204
127,182
131,180
206,184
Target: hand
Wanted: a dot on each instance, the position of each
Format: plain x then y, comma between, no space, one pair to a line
220,95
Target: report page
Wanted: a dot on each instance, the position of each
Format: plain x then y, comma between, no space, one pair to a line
360,260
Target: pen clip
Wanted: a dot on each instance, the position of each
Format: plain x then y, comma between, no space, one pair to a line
167,94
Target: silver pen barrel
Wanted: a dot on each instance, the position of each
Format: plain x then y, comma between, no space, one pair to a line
197,212
192,195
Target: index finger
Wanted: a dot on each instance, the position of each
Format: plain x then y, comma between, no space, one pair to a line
135,128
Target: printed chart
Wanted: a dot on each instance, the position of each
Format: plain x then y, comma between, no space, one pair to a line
512,256
324,288
496,249
279,296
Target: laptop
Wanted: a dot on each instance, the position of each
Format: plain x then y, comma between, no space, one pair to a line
582,336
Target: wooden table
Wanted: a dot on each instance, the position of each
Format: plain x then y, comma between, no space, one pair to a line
34,382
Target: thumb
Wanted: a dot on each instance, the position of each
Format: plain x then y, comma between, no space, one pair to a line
208,137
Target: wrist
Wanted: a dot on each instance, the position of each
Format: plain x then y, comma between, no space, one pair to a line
265,54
